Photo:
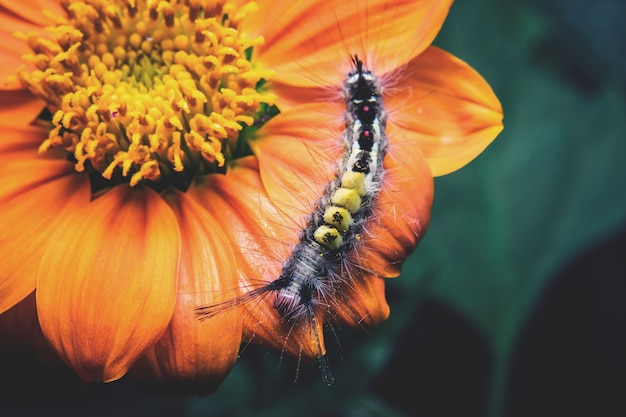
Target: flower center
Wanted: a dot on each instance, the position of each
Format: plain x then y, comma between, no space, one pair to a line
152,92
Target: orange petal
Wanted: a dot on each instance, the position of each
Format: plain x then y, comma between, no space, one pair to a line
401,217
107,286
288,96
20,142
12,48
21,333
361,303
262,237
402,212
445,107
35,195
297,160
194,356
26,354
19,107
30,213
440,102
33,11
298,152
309,43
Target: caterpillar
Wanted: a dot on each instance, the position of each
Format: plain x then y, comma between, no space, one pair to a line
311,273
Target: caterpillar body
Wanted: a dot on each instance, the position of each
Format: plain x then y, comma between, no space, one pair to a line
311,273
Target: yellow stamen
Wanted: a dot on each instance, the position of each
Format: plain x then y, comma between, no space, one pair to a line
141,88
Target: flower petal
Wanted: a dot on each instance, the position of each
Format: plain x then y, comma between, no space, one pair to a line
361,303
400,220
194,356
297,161
402,212
26,357
35,194
12,48
298,152
19,107
288,96
20,330
106,289
446,107
33,11
309,43
262,237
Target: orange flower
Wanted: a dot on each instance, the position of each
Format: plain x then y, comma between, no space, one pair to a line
153,182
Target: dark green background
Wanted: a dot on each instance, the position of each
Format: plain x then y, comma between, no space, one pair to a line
513,303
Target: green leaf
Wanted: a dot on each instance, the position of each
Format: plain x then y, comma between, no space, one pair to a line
551,185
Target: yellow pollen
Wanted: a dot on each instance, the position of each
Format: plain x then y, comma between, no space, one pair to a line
143,90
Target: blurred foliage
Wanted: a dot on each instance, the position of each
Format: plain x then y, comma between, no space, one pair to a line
551,186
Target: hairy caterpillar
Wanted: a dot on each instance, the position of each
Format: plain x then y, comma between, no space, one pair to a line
310,275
